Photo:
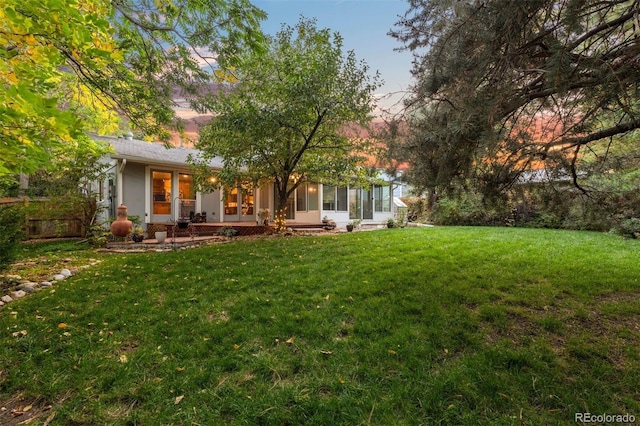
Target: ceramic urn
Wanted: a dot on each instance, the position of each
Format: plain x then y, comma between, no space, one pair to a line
121,227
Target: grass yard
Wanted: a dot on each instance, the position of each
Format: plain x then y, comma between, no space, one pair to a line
411,326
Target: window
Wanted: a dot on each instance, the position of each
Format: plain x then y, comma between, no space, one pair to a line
301,198
382,196
342,205
333,198
312,196
307,197
355,198
185,187
161,192
328,197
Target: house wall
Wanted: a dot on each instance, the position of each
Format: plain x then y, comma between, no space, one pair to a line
312,216
133,189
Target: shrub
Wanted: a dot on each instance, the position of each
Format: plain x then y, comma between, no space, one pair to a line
12,220
469,209
227,231
98,234
629,228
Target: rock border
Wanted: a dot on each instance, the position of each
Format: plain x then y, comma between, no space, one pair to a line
19,287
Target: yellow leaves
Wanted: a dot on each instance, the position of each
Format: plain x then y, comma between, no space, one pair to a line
225,76
62,325
31,40
123,359
20,333
178,399
290,340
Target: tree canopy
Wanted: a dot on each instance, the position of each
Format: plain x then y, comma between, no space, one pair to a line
502,85
286,119
68,66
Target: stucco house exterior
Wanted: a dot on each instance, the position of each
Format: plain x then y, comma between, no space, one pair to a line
155,183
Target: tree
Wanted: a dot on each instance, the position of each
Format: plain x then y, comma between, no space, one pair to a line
502,85
68,66
286,119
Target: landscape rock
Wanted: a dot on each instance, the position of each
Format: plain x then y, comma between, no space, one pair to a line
25,284
6,299
29,288
59,277
12,278
45,284
66,273
17,294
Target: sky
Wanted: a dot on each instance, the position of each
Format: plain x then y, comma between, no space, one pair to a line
363,25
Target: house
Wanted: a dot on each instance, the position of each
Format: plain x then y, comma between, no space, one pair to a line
156,184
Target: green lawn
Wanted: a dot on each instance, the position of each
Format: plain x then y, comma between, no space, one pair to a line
400,326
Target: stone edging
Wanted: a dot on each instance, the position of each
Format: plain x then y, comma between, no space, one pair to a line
20,287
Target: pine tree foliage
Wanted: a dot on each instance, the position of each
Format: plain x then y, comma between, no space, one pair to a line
502,86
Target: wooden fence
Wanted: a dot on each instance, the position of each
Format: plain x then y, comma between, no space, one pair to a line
56,227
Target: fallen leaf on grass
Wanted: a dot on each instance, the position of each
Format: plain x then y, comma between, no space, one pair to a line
123,358
62,325
20,333
178,399
51,416
290,340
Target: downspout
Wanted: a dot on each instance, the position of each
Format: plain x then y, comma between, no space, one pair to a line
119,182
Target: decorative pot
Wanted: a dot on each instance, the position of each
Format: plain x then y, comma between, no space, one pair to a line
183,225
137,238
161,236
121,227
349,228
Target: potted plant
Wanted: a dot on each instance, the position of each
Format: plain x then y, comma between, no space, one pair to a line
353,225
161,233
137,235
391,223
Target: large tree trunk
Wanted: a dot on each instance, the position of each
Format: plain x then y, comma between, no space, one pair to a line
281,204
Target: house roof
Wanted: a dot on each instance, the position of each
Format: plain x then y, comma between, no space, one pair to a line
153,153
